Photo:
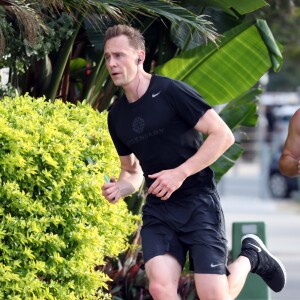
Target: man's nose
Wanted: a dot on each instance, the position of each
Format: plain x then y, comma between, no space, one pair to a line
112,62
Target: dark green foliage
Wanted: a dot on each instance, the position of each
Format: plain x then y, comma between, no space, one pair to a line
55,226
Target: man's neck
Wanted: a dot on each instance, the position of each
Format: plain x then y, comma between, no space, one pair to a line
135,91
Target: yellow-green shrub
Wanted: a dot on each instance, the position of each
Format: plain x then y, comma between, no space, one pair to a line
54,224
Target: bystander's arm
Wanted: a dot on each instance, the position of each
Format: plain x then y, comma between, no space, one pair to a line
289,162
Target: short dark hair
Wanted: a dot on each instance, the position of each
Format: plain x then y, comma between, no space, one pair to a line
136,39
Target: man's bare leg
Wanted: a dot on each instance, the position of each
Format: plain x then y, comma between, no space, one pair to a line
163,272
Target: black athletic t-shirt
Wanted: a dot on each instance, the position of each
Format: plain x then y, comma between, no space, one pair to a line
159,129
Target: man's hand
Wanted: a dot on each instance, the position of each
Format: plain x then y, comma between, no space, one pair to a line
166,182
111,191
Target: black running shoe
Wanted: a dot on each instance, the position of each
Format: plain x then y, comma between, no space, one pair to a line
268,267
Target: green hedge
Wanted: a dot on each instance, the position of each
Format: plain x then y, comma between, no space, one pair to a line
55,226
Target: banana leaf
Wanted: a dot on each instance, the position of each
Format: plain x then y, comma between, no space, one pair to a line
227,161
241,111
234,7
223,73
244,108
225,15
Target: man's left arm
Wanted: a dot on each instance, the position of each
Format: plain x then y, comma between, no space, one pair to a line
219,139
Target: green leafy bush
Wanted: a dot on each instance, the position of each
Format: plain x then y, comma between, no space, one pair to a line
55,226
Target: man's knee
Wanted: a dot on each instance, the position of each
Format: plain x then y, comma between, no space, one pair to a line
161,291
163,273
212,287
156,289
162,286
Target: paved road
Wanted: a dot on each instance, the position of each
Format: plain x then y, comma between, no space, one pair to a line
245,199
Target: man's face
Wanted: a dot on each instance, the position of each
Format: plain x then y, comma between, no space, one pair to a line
120,60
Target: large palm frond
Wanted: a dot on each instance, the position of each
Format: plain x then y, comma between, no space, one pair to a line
29,14
26,17
169,10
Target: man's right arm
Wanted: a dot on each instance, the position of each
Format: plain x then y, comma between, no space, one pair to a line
129,181
289,162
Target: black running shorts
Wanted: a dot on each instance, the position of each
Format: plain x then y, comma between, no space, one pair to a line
189,223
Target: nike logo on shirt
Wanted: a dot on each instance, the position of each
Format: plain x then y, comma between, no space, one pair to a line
155,95
215,265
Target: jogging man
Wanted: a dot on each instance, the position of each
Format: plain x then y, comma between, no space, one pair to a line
157,127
